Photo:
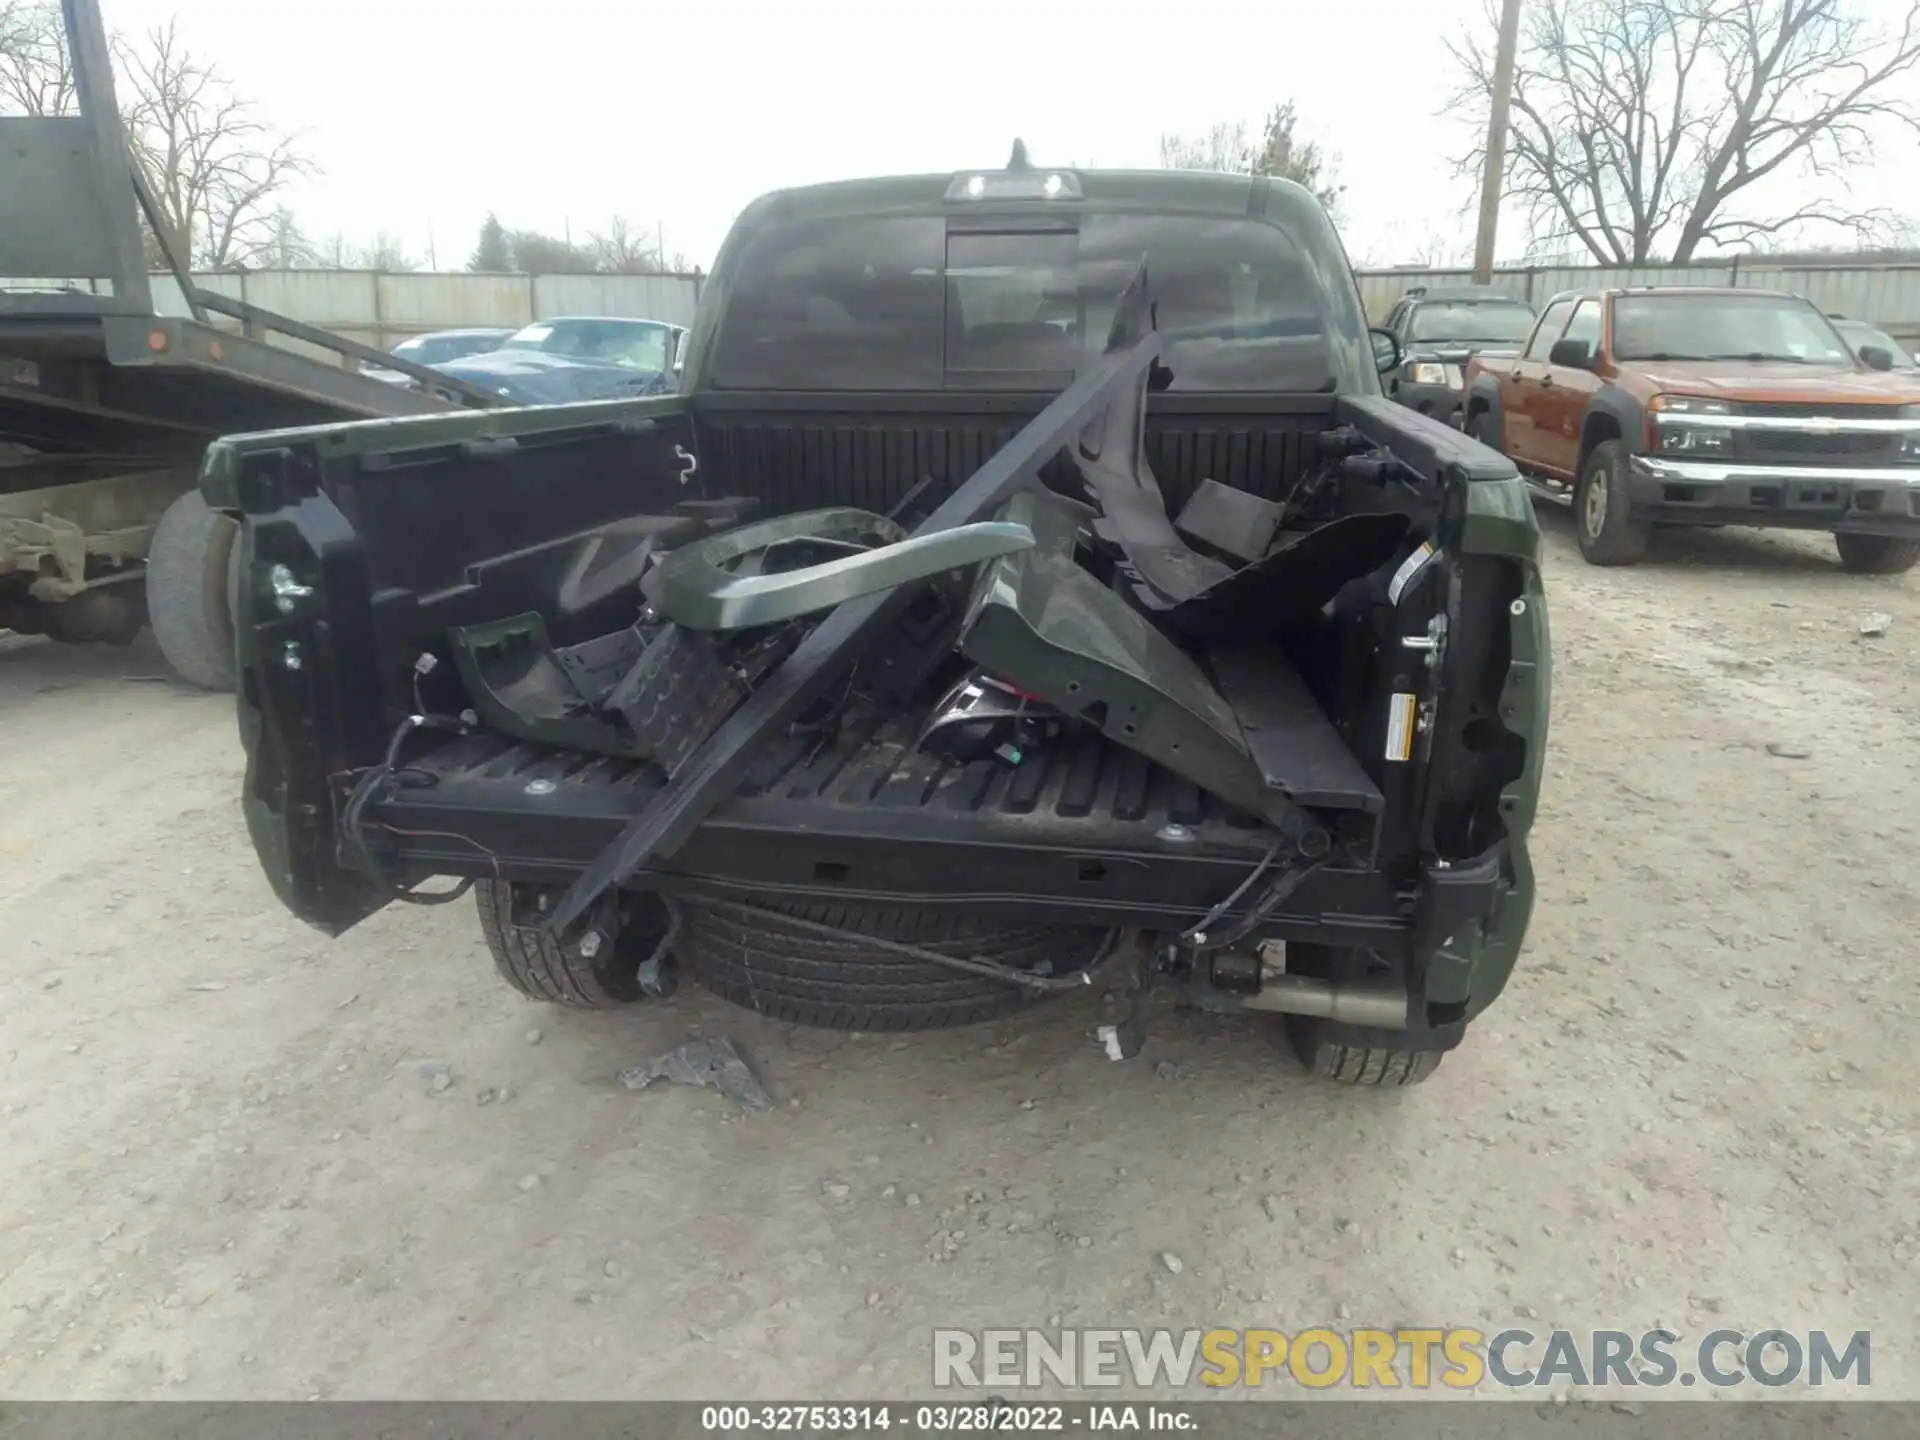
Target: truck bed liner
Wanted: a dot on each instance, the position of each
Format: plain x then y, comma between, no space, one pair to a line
1081,824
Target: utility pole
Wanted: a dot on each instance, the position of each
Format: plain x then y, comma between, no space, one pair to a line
1496,142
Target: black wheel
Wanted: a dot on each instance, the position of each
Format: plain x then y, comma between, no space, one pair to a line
752,955
190,563
533,964
1876,554
1602,513
1352,1054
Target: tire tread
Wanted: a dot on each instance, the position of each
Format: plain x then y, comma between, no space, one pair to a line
744,953
190,588
531,963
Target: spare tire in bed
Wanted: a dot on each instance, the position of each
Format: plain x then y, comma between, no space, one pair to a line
752,955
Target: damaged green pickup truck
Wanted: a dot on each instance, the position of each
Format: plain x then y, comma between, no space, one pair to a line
1029,581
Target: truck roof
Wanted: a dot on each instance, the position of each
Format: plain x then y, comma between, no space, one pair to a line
1160,190
1463,295
1609,292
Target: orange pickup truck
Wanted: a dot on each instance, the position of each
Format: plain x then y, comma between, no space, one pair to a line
1671,406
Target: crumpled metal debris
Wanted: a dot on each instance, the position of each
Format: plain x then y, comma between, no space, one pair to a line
1875,624
710,1064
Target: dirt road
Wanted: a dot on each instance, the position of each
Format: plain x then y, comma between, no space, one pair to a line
224,1171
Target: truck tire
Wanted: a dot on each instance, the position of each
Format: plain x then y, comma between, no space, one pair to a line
1876,554
1603,520
190,591
530,961
1361,1064
1350,1054
746,953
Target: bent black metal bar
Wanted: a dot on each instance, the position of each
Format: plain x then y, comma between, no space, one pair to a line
714,769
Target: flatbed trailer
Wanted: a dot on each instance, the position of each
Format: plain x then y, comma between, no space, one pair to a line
107,405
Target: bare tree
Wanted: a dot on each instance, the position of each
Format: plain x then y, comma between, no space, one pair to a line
287,246
624,250
214,166
621,249
1639,127
385,251
1274,150
1223,148
36,77
1438,249
535,253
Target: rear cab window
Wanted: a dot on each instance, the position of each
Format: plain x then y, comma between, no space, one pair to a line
913,303
1478,321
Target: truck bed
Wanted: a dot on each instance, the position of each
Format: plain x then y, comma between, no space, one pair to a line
1082,828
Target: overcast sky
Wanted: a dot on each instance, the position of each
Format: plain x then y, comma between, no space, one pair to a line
425,114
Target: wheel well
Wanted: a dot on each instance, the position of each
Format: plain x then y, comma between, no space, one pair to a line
1600,428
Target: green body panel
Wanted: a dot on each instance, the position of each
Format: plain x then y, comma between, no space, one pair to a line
1475,965
1041,622
1500,521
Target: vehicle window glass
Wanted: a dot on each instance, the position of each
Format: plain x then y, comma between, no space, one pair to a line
836,305
1497,321
1549,330
531,337
1859,333
1718,326
1238,303
410,349
894,303
638,347
445,347
1585,324
1013,302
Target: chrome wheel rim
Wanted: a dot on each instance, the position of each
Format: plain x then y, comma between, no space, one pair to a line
1596,508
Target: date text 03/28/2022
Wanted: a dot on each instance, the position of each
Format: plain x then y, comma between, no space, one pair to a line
976,1417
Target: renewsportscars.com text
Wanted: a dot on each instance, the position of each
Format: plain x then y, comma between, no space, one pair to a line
1409,1358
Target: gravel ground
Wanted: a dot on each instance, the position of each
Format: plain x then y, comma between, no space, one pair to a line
226,1171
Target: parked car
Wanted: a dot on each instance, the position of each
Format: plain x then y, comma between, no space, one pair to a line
1439,330
574,358
1261,716
1859,334
1685,406
435,349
